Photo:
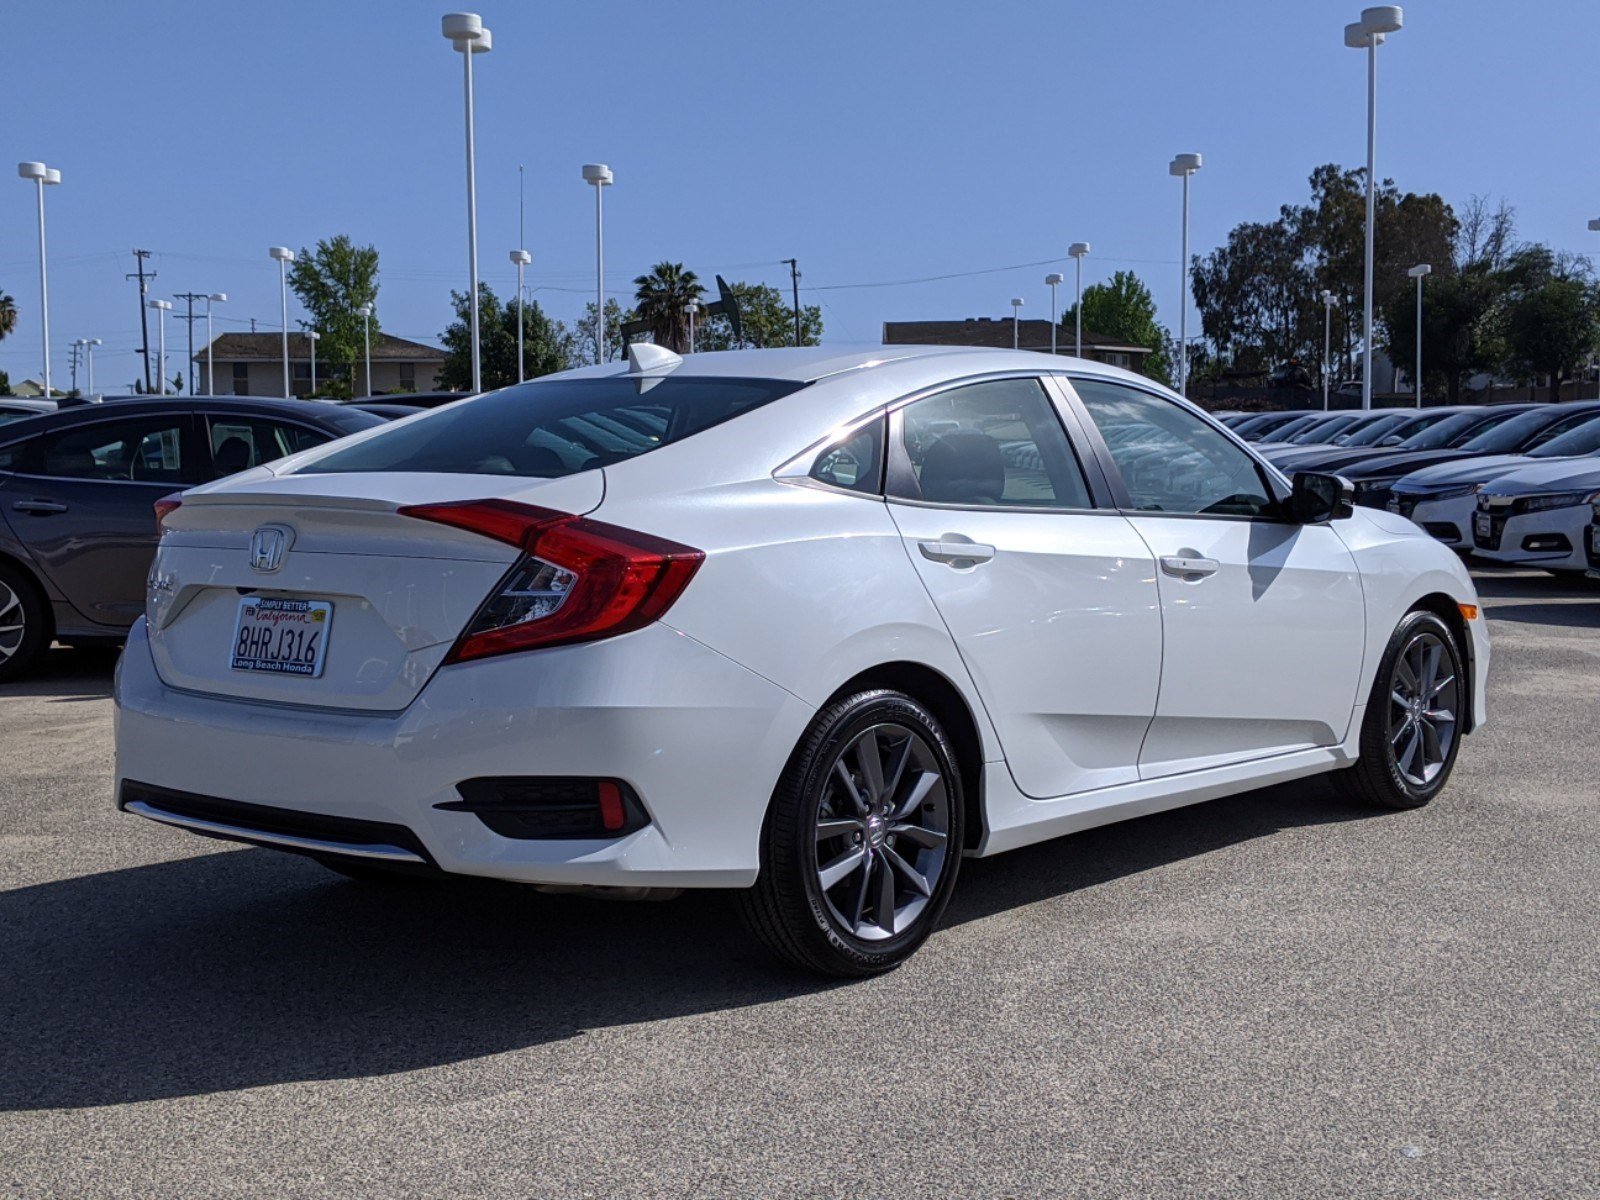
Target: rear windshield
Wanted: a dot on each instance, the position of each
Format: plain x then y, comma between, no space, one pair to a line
547,429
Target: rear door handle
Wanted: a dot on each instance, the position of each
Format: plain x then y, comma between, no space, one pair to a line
1186,567
956,553
39,507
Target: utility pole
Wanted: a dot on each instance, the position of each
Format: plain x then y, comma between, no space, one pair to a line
144,311
794,279
189,317
75,347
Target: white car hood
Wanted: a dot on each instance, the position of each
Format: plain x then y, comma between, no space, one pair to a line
1551,475
1462,470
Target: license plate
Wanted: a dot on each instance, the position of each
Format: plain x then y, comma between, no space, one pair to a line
1481,525
281,636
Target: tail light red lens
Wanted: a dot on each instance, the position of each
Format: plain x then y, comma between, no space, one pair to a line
166,506
577,580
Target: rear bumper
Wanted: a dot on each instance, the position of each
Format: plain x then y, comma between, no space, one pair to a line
701,740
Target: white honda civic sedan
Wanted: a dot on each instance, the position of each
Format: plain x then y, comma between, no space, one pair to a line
807,624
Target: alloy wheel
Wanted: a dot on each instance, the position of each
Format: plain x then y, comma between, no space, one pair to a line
882,832
13,622
1424,698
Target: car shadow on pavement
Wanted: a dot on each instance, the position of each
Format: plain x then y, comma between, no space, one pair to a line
1508,584
248,967
68,674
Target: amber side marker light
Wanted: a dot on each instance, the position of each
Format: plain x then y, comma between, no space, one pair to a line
1469,611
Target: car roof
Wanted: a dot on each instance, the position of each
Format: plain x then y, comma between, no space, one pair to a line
156,405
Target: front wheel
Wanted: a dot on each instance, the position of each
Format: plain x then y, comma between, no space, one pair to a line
24,623
1412,728
863,840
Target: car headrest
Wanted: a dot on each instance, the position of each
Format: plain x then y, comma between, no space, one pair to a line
963,467
232,456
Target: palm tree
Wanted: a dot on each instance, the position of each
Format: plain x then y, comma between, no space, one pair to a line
8,315
661,298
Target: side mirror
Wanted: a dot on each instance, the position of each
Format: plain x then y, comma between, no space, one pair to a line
1394,439
1319,498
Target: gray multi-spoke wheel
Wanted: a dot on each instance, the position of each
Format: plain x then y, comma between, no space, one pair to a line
863,839
24,623
1413,723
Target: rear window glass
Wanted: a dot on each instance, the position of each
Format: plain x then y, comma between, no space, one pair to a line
544,430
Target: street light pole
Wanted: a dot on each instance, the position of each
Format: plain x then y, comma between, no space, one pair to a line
88,353
42,177
211,375
1053,279
366,336
1077,251
284,257
1368,34
689,311
601,177
468,35
1419,272
1016,322
313,336
522,258
1184,165
161,307
1327,343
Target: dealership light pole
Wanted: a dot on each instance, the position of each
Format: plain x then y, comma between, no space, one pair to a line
1327,343
1016,322
689,310
1183,166
522,258
42,176
1419,272
366,336
211,375
1054,278
469,37
162,307
88,356
600,176
313,337
1368,34
1077,251
284,257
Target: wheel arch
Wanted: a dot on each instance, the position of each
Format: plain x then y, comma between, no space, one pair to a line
40,588
1448,610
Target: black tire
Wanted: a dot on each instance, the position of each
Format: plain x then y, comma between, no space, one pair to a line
1389,773
21,601
909,830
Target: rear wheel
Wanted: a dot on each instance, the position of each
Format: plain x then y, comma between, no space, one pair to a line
863,840
1412,728
24,623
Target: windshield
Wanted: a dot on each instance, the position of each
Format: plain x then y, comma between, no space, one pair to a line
547,429
1584,438
1510,435
1320,430
1286,431
1447,430
1265,422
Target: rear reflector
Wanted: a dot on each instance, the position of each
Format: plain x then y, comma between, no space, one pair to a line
534,807
577,581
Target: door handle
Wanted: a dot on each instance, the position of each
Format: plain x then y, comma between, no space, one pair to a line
39,507
1187,567
956,553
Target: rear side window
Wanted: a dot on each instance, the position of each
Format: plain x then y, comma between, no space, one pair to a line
238,443
854,463
556,427
140,451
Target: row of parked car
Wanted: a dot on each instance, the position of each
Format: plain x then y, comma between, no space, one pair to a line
1508,483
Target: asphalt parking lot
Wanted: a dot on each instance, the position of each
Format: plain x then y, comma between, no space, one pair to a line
1271,995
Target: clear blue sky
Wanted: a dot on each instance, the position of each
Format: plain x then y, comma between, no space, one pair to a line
875,141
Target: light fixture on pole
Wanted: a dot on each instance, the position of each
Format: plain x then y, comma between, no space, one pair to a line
161,307
1183,166
211,375
88,354
522,258
366,336
42,177
1420,272
1327,343
1053,280
1016,322
284,257
1076,252
600,176
689,311
469,37
1368,34
313,337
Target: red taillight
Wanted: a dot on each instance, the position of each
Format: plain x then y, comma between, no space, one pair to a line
166,506
578,580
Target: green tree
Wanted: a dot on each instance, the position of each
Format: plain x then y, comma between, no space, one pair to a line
8,316
661,298
5,384
1124,309
332,284
582,345
767,317
1551,316
546,345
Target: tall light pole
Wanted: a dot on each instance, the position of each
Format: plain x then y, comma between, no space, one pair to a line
1077,251
469,37
211,375
88,353
1016,322
689,311
366,336
1368,34
313,337
1419,272
600,176
42,177
162,307
1594,227
1183,166
1053,279
522,258
1327,343
284,257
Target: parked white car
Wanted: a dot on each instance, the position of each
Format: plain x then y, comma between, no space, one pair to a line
1539,516
807,624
